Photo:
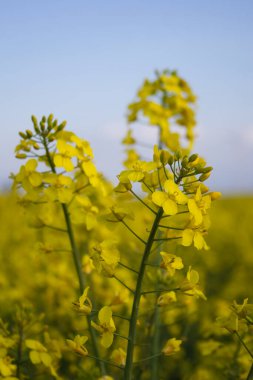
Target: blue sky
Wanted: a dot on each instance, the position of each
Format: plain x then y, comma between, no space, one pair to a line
84,61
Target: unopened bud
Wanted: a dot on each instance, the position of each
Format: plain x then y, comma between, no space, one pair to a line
215,195
23,135
29,133
204,176
21,155
50,119
193,157
164,157
36,146
61,126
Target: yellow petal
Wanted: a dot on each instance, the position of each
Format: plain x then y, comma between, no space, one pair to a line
187,237
35,179
195,211
199,241
159,197
170,207
31,165
105,314
107,339
89,168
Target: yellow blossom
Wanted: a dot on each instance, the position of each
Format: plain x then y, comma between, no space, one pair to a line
77,345
190,236
63,159
106,326
84,305
166,298
171,346
171,262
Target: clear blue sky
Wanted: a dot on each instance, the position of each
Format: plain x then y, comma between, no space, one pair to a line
84,60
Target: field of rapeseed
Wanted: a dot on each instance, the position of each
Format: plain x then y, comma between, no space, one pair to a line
146,280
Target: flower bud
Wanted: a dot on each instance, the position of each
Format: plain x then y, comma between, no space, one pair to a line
215,195
164,157
23,135
29,133
61,126
21,155
193,157
204,176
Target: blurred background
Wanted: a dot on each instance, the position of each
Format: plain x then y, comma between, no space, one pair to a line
84,61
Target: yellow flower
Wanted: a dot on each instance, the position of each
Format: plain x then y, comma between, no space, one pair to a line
84,305
106,257
38,353
119,356
166,298
170,198
106,326
190,236
77,345
28,175
198,205
171,346
191,285
171,262
63,159
7,368
137,172
59,189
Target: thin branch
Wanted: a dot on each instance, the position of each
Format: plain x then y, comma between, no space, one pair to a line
121,336
170,228
132,231
145,204
166,239
121,317
127,267
160,291
243,344
122,283
105,361
55,228
147,358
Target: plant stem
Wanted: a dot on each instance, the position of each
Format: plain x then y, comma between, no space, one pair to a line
20,349
244,345
77,261
137,297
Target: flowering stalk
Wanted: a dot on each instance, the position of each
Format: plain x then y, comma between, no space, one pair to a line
137,297
77,262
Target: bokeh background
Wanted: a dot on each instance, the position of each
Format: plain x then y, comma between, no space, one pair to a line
84,61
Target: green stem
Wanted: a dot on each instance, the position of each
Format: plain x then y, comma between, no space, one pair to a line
20,350
250,375
243,344
105,361
77,261
145,204
137,297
